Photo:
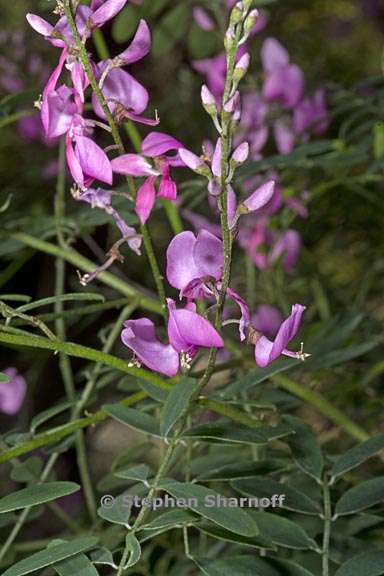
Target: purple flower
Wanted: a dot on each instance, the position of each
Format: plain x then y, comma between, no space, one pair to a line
284,82
266,351
192,261
125,96
311,115
260,197
155,146
188,331
12,393
87,161
145,199
288,246
267,320
140,336
284,137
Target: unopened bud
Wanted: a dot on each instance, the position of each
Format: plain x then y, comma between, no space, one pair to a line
194,162
208,101
241,67
230,42
241,153
237,14
250,22
247,4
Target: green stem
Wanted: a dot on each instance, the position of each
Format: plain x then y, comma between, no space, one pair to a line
326,408
154,266
327,526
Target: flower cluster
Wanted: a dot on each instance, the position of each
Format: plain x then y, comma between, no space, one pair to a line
280,108
198,266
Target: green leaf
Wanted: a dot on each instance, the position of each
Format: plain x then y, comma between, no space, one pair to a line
46,415
79,565
37,494
139,473
134,418
220,533
170,30
258,376
27,471
305,448
223,432
366,564
176,404
242,470
250,566
204,502
362,496
115,509
50,556
266,487
133,545
102,556
283,532
357,455
171,519
4,378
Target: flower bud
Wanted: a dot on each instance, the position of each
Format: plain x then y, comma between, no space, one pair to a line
241,153
247,4
258,199
230,39
236,14
194,162
250,22
208,101
241,67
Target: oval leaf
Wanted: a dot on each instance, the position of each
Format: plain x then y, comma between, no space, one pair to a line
50,556
266,487
204,502
176,404
250,565
37,494
369,563
134,418
357,455
362,496
305,448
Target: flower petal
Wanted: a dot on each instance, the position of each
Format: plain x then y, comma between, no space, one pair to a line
140,45
273,55
145,199
267,351
267,320
93,160
260,197
133,165
12,393
208,255
158,143
139,335
181,268
120,89
107,11
188,331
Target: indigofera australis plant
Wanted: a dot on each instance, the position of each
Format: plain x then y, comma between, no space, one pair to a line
226,451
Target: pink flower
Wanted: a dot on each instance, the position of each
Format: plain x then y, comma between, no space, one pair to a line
12,393
266,351
192,261
139,335
155,146
188,331
203,19
311,115
284,82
